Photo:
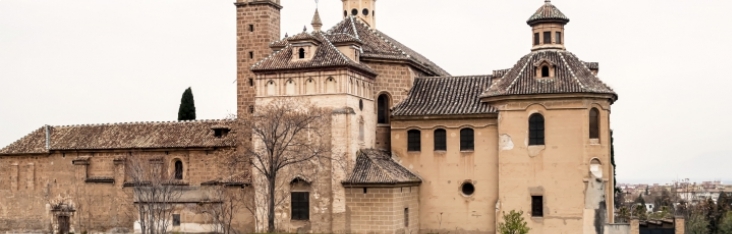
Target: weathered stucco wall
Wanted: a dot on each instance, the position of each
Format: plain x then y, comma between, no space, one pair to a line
559,170
383,209
443,206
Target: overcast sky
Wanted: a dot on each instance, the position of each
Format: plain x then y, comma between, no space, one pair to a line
90,61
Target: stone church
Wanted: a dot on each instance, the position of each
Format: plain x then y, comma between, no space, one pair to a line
428,152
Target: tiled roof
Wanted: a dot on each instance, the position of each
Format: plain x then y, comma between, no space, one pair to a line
327,55
150,135
457,95
571,76
336,38
547,13
379,45
376,167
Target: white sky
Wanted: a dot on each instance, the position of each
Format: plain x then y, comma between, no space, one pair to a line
90,61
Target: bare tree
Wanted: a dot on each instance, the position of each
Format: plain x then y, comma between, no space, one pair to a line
155,192
227,194
285,132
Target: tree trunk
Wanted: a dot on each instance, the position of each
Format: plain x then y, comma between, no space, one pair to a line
271,206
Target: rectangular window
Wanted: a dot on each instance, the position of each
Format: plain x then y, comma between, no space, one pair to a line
251,82
440,140
413,141
559,38
251,54
536,39
537,206
251,28
406,217
547,37
467,142
176,220
300,205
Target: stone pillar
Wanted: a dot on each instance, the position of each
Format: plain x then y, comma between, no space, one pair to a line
634,226
679,225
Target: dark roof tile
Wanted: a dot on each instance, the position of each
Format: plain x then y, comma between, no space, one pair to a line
456,95
377,167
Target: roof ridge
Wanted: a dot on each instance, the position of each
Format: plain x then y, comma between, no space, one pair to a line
353,25
461,76
381,35
143,122
343,56
387,172
518,76
571,71
26,136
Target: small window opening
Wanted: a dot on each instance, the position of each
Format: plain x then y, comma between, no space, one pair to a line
440,140
251,54
354,12
536,129
365,11
536,39
176,220
345,13
221,132
537,206
360,104
251,109
251,28
301,53
365,190
383,109
251,82
559,37
413,141
178,170
547,37
545,71
300,202
467,189
594,123
406,217
467,141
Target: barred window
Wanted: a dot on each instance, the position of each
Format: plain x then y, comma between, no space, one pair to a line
594,123
467,142
536,129
413,140
537,206
440,139
176,220
178,170
547,37
383,109
300,205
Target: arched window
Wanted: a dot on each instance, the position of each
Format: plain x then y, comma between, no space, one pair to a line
383,109
545,71
271,89
290,87
467,140
178,170
330,86
536,129
440,140
310,87
594,123
413,140
301,53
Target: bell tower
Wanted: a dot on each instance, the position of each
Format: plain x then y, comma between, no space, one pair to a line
547,27
363,9
257,25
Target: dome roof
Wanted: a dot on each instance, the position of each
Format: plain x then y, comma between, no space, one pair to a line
548,13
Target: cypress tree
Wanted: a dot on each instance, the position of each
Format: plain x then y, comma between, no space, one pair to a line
187,110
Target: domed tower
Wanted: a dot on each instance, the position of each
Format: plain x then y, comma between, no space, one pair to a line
363,9
554,134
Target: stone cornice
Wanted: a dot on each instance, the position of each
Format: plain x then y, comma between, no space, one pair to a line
254,3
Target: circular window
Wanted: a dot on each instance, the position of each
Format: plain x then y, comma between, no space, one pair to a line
354,12
365,11
467,188
360,104
345,13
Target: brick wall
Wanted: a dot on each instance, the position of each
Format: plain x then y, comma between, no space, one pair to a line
381,210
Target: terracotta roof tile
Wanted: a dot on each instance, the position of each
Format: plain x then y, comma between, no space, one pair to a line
327,55
379,45
571,76
456,95
151,135
377,167
548,13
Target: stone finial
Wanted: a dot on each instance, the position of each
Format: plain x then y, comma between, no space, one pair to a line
304,28
317,23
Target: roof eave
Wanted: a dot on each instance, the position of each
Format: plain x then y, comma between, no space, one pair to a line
497,98
408,61
380,184
446,116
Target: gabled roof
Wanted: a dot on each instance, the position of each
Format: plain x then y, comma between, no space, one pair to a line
452,95
572,75
376,167
380,46
151,135
548,13
327,55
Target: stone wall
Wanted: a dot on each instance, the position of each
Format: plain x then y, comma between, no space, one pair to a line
93,182
382,210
